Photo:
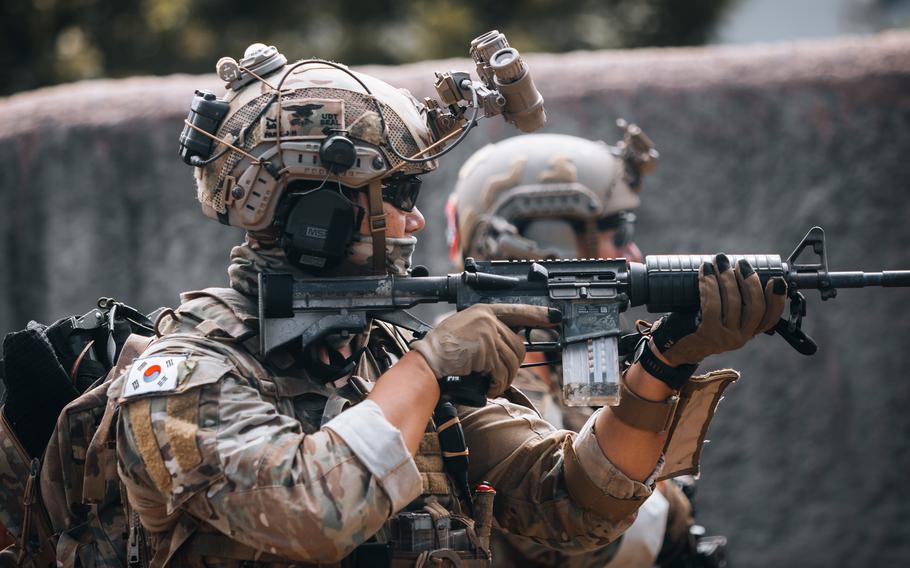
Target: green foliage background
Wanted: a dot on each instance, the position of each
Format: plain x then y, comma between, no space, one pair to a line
44,42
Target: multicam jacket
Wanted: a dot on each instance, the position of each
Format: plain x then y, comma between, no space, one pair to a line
228,456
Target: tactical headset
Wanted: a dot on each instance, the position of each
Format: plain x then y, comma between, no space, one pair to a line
318,224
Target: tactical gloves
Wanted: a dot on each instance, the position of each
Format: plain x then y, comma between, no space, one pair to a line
734,308
482,340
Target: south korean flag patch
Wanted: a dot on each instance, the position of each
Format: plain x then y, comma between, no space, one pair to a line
153,375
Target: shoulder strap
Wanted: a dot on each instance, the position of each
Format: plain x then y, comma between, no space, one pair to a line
100,455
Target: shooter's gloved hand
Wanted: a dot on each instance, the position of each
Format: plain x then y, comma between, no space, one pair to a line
734,309
482,339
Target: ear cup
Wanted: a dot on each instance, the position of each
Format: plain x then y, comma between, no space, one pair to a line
317,228
337,153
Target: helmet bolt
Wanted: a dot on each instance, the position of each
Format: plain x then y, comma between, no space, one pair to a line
237,192
378,163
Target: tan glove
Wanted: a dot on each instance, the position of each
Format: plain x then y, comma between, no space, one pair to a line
734,309
481,339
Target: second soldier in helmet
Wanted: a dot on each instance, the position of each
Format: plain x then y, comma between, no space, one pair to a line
550,196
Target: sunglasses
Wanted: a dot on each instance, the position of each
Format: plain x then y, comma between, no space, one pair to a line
402,191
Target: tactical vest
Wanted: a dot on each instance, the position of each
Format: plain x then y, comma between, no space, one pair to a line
53,521
433,528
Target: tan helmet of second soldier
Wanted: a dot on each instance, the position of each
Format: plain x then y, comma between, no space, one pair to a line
547,196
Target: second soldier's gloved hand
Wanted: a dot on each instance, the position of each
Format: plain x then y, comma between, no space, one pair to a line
734,309
482,340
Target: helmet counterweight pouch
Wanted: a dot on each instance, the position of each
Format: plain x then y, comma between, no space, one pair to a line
318,227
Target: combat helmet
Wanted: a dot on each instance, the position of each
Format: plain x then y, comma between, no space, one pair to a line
292,128
533,196
284,131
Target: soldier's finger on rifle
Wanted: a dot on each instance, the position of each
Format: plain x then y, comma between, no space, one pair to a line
709,291
518,316
775,298
753,305
731,300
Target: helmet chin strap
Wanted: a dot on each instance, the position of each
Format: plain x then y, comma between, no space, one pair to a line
377,226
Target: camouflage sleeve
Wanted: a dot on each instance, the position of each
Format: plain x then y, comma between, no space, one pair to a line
553,486
226,456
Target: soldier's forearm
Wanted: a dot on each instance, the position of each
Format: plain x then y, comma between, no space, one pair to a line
407,394
634,452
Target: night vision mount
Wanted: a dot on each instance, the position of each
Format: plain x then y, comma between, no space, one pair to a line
505,88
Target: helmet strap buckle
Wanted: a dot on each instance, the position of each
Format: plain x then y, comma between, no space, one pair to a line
377,226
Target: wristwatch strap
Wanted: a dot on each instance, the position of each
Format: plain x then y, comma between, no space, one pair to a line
673,377
643,414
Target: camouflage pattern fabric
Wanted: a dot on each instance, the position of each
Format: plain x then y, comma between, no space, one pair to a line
543,388
14,471
80,489
241,452
543,385
259,254
235,453
522,455
88,535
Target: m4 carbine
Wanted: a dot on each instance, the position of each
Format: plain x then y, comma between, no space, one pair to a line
590,294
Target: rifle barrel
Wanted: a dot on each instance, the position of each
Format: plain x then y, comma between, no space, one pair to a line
668,283
887,278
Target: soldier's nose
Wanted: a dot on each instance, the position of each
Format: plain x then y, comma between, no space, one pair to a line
414,221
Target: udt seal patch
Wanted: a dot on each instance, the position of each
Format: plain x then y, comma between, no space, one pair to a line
303,118
153,374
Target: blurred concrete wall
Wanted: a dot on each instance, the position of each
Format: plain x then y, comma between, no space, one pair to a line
758,144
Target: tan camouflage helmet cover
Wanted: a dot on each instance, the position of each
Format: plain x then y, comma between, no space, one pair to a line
244,192
535,176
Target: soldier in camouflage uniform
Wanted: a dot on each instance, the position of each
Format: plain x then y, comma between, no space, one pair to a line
549,196
557,196
329,455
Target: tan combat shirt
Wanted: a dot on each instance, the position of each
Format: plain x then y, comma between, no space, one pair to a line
221,446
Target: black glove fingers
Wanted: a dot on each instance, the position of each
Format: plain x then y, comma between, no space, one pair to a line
730,298
753,296
775,298
710,294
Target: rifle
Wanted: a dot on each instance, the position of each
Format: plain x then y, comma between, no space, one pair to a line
590,294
